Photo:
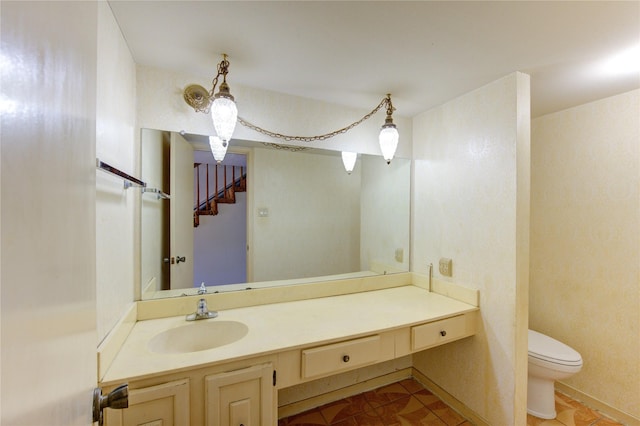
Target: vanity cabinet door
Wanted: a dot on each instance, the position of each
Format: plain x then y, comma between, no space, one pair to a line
162,405
240,398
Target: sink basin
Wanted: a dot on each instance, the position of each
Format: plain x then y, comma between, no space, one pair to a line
197,336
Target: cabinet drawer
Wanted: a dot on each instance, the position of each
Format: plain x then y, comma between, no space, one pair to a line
438,332
341,356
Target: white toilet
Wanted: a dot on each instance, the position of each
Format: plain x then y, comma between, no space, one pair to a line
549,360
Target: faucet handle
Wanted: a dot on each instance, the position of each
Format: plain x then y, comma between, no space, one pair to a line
203,289
202,312
202,306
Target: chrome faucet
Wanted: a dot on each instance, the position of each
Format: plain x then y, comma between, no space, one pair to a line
202,312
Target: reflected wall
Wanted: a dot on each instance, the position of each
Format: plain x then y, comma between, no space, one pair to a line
306,217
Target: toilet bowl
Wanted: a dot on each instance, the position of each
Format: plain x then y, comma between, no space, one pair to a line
549,360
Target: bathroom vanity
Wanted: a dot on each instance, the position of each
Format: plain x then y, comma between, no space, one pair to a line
228,370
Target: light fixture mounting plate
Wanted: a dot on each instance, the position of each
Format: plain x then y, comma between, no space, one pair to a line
197,97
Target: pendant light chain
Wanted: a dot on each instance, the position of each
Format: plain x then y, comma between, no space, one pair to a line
200,98
224,114
223,70
386,101
390,107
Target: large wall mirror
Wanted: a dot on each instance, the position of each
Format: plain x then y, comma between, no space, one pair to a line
283,216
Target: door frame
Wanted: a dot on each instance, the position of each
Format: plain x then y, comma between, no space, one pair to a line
248,153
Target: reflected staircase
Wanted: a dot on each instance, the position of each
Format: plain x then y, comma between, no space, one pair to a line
217,190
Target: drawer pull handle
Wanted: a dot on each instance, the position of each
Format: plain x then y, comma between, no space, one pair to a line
443,333
345,358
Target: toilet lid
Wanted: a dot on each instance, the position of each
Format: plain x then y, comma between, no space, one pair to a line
548,349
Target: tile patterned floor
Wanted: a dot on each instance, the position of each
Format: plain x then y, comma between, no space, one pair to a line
403,403
408,403
572,413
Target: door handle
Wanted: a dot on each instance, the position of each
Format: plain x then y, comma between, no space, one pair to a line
116,399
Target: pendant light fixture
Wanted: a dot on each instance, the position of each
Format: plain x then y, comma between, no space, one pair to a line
224,111
349,160
221,105
389,136
224,114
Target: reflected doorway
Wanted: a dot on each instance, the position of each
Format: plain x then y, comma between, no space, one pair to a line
220,219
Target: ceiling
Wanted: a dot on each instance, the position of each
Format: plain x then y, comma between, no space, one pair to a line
423,52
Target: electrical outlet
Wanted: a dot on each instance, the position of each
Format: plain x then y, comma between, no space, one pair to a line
399,255
445,267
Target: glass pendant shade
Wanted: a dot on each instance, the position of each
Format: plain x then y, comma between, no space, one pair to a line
224,114
388,141
218,148
349,160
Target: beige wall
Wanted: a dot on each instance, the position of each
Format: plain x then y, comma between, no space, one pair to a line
115,208
313,226
585,242
131,97
385,213
470,204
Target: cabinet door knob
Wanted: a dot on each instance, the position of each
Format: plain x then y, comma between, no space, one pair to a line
117,399
443,333
345,358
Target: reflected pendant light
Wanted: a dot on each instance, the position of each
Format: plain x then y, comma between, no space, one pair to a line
389,135
349,160
218,148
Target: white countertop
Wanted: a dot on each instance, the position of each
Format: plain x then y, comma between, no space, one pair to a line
282,326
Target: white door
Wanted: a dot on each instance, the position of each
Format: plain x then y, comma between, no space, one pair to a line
47,179
181,220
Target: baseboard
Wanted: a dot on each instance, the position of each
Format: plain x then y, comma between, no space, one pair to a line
596,404
449,399
367,385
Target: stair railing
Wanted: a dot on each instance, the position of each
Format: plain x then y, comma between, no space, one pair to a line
226,194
